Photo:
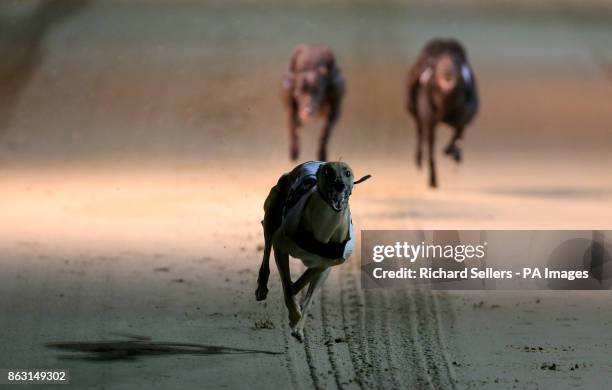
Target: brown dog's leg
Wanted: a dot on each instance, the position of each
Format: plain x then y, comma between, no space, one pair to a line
282,262
433,181
453,149
293,124
320,275
330,122
419,146
325,132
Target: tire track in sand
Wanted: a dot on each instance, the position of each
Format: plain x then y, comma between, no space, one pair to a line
321,364
295,359
295,356
352,309
387,339
373,322
437,360
336,336
403,357
413,348
378,335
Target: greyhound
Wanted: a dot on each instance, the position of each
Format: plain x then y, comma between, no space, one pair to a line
441,88
313,87
307,216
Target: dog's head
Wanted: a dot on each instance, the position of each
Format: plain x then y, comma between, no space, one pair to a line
309,90
447,72
335,184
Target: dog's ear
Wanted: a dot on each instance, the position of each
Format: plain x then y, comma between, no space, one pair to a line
366,177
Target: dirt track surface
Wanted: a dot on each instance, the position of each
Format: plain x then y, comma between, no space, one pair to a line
138,142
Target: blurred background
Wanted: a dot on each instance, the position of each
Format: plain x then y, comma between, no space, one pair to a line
139,136
135,83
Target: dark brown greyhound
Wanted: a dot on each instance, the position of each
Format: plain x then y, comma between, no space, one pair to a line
313,87
441,89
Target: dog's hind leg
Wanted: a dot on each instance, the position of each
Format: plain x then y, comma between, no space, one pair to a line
282,262
303,280
315,285
311,273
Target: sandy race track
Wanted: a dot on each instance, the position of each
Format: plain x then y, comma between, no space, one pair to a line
138,142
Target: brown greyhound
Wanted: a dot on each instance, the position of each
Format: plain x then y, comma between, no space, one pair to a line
441,89
313,87
307,216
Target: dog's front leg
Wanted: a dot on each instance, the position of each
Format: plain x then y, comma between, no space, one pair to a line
315,285
330,122
264,271
433,181
292,125
453,148
282,262
419,144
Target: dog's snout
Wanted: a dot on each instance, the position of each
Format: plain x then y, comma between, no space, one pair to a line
339,185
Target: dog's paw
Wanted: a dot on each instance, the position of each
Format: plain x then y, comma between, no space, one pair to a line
457,155
433,182
298,334
454,152
261,293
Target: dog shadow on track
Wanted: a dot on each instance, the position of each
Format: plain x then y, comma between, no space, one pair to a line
137,347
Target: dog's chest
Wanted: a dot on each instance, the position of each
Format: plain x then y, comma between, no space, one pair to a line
311,260
325,226
305,218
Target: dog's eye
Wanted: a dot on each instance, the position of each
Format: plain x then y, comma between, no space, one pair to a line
328,171
347,173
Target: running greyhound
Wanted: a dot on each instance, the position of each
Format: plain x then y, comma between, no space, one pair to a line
441,88
307,216
313,87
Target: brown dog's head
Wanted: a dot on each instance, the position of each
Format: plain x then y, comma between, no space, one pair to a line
308,91
447,72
